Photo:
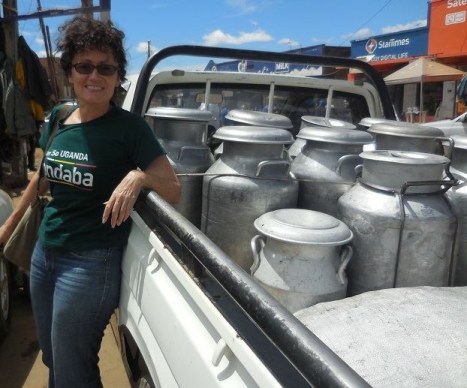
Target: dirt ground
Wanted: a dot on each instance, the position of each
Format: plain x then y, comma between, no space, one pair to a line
20,356
21,359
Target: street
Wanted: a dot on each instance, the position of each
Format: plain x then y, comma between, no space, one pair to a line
20,356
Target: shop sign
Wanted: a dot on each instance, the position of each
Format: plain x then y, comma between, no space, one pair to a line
394,46
273,67
455,18
448,23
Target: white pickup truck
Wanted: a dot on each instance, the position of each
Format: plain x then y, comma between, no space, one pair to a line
189,316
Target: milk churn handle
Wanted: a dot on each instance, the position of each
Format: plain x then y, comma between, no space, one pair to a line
257,243
358,171
442,139
344,159
346,255
373,186
447,185
184,149
265,163
448,154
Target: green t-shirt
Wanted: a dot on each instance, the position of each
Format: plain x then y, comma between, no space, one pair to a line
84,164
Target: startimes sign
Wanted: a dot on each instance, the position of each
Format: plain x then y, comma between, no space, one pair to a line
372,44
392,46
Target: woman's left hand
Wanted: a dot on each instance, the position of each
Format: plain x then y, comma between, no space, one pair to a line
158,176
123,198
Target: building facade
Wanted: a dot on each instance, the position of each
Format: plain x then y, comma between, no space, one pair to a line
443,40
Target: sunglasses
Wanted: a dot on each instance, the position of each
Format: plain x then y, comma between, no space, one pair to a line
88,68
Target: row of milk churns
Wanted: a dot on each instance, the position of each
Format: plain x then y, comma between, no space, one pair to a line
370,205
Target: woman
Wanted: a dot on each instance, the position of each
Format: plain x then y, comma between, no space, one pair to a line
96,164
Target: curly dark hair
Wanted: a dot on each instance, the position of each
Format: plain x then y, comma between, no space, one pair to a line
82,34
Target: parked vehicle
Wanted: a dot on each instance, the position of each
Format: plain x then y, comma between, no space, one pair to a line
190,316
456,126
6,208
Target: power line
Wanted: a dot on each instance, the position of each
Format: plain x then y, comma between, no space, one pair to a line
367,21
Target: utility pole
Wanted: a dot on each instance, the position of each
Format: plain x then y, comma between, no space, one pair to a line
149,48
48,52
10,29
105,10
88,7
87,4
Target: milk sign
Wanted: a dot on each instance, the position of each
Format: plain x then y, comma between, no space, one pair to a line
282,67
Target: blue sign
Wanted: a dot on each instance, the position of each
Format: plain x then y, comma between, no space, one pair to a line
399,45
271,67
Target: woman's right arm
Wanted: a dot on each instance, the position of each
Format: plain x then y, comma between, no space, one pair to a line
27,198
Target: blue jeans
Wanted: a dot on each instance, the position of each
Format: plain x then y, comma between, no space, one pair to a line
73,296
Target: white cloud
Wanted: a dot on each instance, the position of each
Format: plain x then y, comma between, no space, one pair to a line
39,40
362,33
142,47
41,53
218,37
403,27
244,6
366,32
288,42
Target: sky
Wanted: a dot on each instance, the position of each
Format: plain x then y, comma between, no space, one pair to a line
272,25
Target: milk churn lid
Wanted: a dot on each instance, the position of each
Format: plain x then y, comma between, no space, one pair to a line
335,135
403,129
369,121
317,121
303,226
404,157
179,113
253,134
460,141
262,119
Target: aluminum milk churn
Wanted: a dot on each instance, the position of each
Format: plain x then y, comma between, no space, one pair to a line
398,135
250,178
183,134
367,122
300,256
326,166
403,232
255,118
315,122
458,198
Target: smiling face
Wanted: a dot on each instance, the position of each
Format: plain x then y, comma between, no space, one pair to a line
94,89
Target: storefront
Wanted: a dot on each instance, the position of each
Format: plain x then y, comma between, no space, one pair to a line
448,41
444,40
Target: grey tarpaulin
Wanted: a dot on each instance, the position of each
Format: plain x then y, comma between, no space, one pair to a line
402,337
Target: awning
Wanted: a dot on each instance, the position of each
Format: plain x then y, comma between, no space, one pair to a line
423,70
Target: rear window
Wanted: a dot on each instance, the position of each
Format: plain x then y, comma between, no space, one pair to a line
291,102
